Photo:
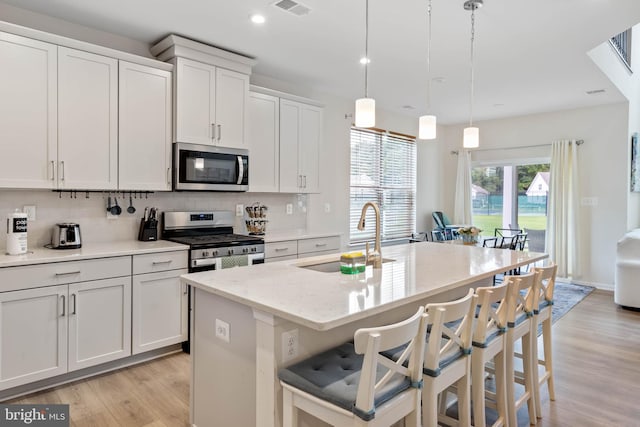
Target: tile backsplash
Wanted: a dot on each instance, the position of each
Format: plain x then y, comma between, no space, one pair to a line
91,212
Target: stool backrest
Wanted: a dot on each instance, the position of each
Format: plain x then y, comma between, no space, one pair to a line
443,339
372,341
524,295
547,280
493,302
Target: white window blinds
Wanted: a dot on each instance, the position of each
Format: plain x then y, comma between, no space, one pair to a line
383,170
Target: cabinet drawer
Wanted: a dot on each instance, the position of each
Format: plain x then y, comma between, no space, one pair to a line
278,249
318,244
151,263
32,276
281,258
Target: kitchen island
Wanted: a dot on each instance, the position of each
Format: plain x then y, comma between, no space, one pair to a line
249,322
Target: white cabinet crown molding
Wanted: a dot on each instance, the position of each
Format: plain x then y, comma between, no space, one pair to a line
80,45
175,46
285,95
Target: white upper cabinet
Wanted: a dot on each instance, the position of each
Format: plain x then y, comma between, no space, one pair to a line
28,113
211,104
195,102
300,136
87,120
263,142
144,155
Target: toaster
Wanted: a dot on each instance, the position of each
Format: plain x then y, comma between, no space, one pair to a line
66,236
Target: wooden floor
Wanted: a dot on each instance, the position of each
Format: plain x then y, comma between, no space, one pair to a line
596,358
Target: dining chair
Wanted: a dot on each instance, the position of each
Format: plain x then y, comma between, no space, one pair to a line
355,385
489,341
523,299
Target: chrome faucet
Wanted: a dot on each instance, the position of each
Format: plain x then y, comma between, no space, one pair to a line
373,257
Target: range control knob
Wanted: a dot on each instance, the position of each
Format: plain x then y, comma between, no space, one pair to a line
205,254
245,250
253,249
214,253
230,251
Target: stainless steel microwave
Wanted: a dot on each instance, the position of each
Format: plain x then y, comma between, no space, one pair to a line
210,168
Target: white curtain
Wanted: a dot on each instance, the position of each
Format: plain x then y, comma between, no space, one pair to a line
563,219
462,205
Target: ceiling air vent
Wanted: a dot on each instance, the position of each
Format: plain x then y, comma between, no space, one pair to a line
292,7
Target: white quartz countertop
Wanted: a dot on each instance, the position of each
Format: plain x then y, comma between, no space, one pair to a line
280,236
323,301
88,251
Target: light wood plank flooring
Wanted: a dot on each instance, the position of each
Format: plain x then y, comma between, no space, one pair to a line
596,358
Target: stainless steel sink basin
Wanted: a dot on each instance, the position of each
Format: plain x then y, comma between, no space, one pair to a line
332,266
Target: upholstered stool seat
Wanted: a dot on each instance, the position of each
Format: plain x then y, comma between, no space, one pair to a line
334,376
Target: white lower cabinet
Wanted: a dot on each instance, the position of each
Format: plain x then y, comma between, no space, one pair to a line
99,314
159,310
57,329
33,335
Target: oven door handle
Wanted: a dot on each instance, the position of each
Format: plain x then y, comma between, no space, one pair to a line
205,262
240,170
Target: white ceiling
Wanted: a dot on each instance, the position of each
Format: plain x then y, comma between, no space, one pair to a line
530,55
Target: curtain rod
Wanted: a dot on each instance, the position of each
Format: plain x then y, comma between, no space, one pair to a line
578,142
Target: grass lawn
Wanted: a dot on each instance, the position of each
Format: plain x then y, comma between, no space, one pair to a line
488,223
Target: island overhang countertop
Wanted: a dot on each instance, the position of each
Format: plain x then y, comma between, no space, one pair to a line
325,300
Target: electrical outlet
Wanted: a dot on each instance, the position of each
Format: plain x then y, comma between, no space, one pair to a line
289,208
239,210
289,345
327,207
222,330
30,210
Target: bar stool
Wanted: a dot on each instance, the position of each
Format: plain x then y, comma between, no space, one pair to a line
523,299
447,361
489,340
354,385
542,315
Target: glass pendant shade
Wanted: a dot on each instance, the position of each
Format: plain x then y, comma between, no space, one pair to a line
427,127
365,112
471,137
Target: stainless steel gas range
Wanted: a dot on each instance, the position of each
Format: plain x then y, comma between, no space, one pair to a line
210,236
213,245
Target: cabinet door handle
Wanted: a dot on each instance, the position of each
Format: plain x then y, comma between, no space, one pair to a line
299,180
53,170
64,304
74,304
281,249
213,131
319,245
62,167
219,132
305,181
168,176
186,289
68,273
161,262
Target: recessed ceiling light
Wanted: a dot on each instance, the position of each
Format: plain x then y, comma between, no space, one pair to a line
256,18
365,60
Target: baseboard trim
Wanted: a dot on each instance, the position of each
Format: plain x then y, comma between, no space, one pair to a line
87,372
601,286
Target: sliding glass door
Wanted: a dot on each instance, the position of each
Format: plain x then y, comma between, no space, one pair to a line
512,196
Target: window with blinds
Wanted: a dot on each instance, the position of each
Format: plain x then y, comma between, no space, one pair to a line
383,170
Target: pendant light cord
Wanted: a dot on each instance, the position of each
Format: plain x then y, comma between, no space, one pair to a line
366,50
429,57
473,24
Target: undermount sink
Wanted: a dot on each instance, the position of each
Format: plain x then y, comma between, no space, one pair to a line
332,266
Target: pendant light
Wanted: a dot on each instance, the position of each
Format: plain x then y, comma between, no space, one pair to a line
366,107
427,123
472,133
